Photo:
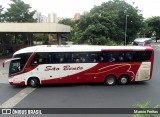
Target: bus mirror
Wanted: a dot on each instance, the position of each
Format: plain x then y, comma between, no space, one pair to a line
8,60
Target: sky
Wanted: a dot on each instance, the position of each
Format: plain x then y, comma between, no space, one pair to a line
67,8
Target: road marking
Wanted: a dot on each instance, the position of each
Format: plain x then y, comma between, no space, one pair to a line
17,98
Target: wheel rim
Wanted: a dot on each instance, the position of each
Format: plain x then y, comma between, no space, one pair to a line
110,80
124,80
32,82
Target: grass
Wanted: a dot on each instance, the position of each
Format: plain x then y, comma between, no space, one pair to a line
146,107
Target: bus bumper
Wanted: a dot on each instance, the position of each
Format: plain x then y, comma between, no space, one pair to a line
17,83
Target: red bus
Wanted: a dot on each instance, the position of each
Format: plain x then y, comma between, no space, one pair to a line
80,64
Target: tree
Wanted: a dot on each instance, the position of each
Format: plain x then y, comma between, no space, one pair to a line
146,31
105,24
19,12
1,14
67,21
71,23
154,24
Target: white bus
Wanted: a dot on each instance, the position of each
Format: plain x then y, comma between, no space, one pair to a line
80,64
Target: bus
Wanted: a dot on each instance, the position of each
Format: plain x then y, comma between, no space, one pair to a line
142,42
38,65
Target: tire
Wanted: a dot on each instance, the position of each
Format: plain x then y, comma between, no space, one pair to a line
110,80
34,82
123,80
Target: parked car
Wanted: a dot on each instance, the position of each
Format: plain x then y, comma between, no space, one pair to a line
142,42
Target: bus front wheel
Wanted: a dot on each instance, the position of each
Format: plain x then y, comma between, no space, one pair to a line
110,80
34,82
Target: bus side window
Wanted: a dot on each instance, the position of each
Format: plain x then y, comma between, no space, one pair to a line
120,57
79,57
93,58
36,60
128,57
42,58
75,57
101,57
50,58
60,57
143,55
111,57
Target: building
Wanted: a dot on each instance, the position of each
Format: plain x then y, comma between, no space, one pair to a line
40,18
60,18
29,29
37,16
44,19
52,18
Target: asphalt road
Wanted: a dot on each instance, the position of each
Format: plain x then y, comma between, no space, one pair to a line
85,95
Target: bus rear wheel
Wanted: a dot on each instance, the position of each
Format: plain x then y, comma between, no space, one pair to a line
110,80
34,82
123,80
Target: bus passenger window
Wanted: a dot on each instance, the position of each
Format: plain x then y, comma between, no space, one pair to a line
61,59
111,58
40,59
121,57
79,57
77,60
129,57
93,57
50,58
35,61
101,58
82,59
143,55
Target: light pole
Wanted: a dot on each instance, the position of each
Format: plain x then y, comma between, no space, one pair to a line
125,31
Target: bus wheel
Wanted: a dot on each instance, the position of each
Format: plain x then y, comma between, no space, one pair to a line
110,80
123,80
33,82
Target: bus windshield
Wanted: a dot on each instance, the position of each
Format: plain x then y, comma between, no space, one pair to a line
14,66
18,64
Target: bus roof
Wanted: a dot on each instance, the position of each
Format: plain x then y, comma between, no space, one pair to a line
77,48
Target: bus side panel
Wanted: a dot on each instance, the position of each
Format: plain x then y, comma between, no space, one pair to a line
91,72
116,69
143,72
66,73
96,73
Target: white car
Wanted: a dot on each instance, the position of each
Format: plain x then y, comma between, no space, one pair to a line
142,42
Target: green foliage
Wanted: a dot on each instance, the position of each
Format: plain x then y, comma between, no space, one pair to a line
40,37
105,24
71,23
19,12
67,21
146,31
145,106
154,24
1,14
